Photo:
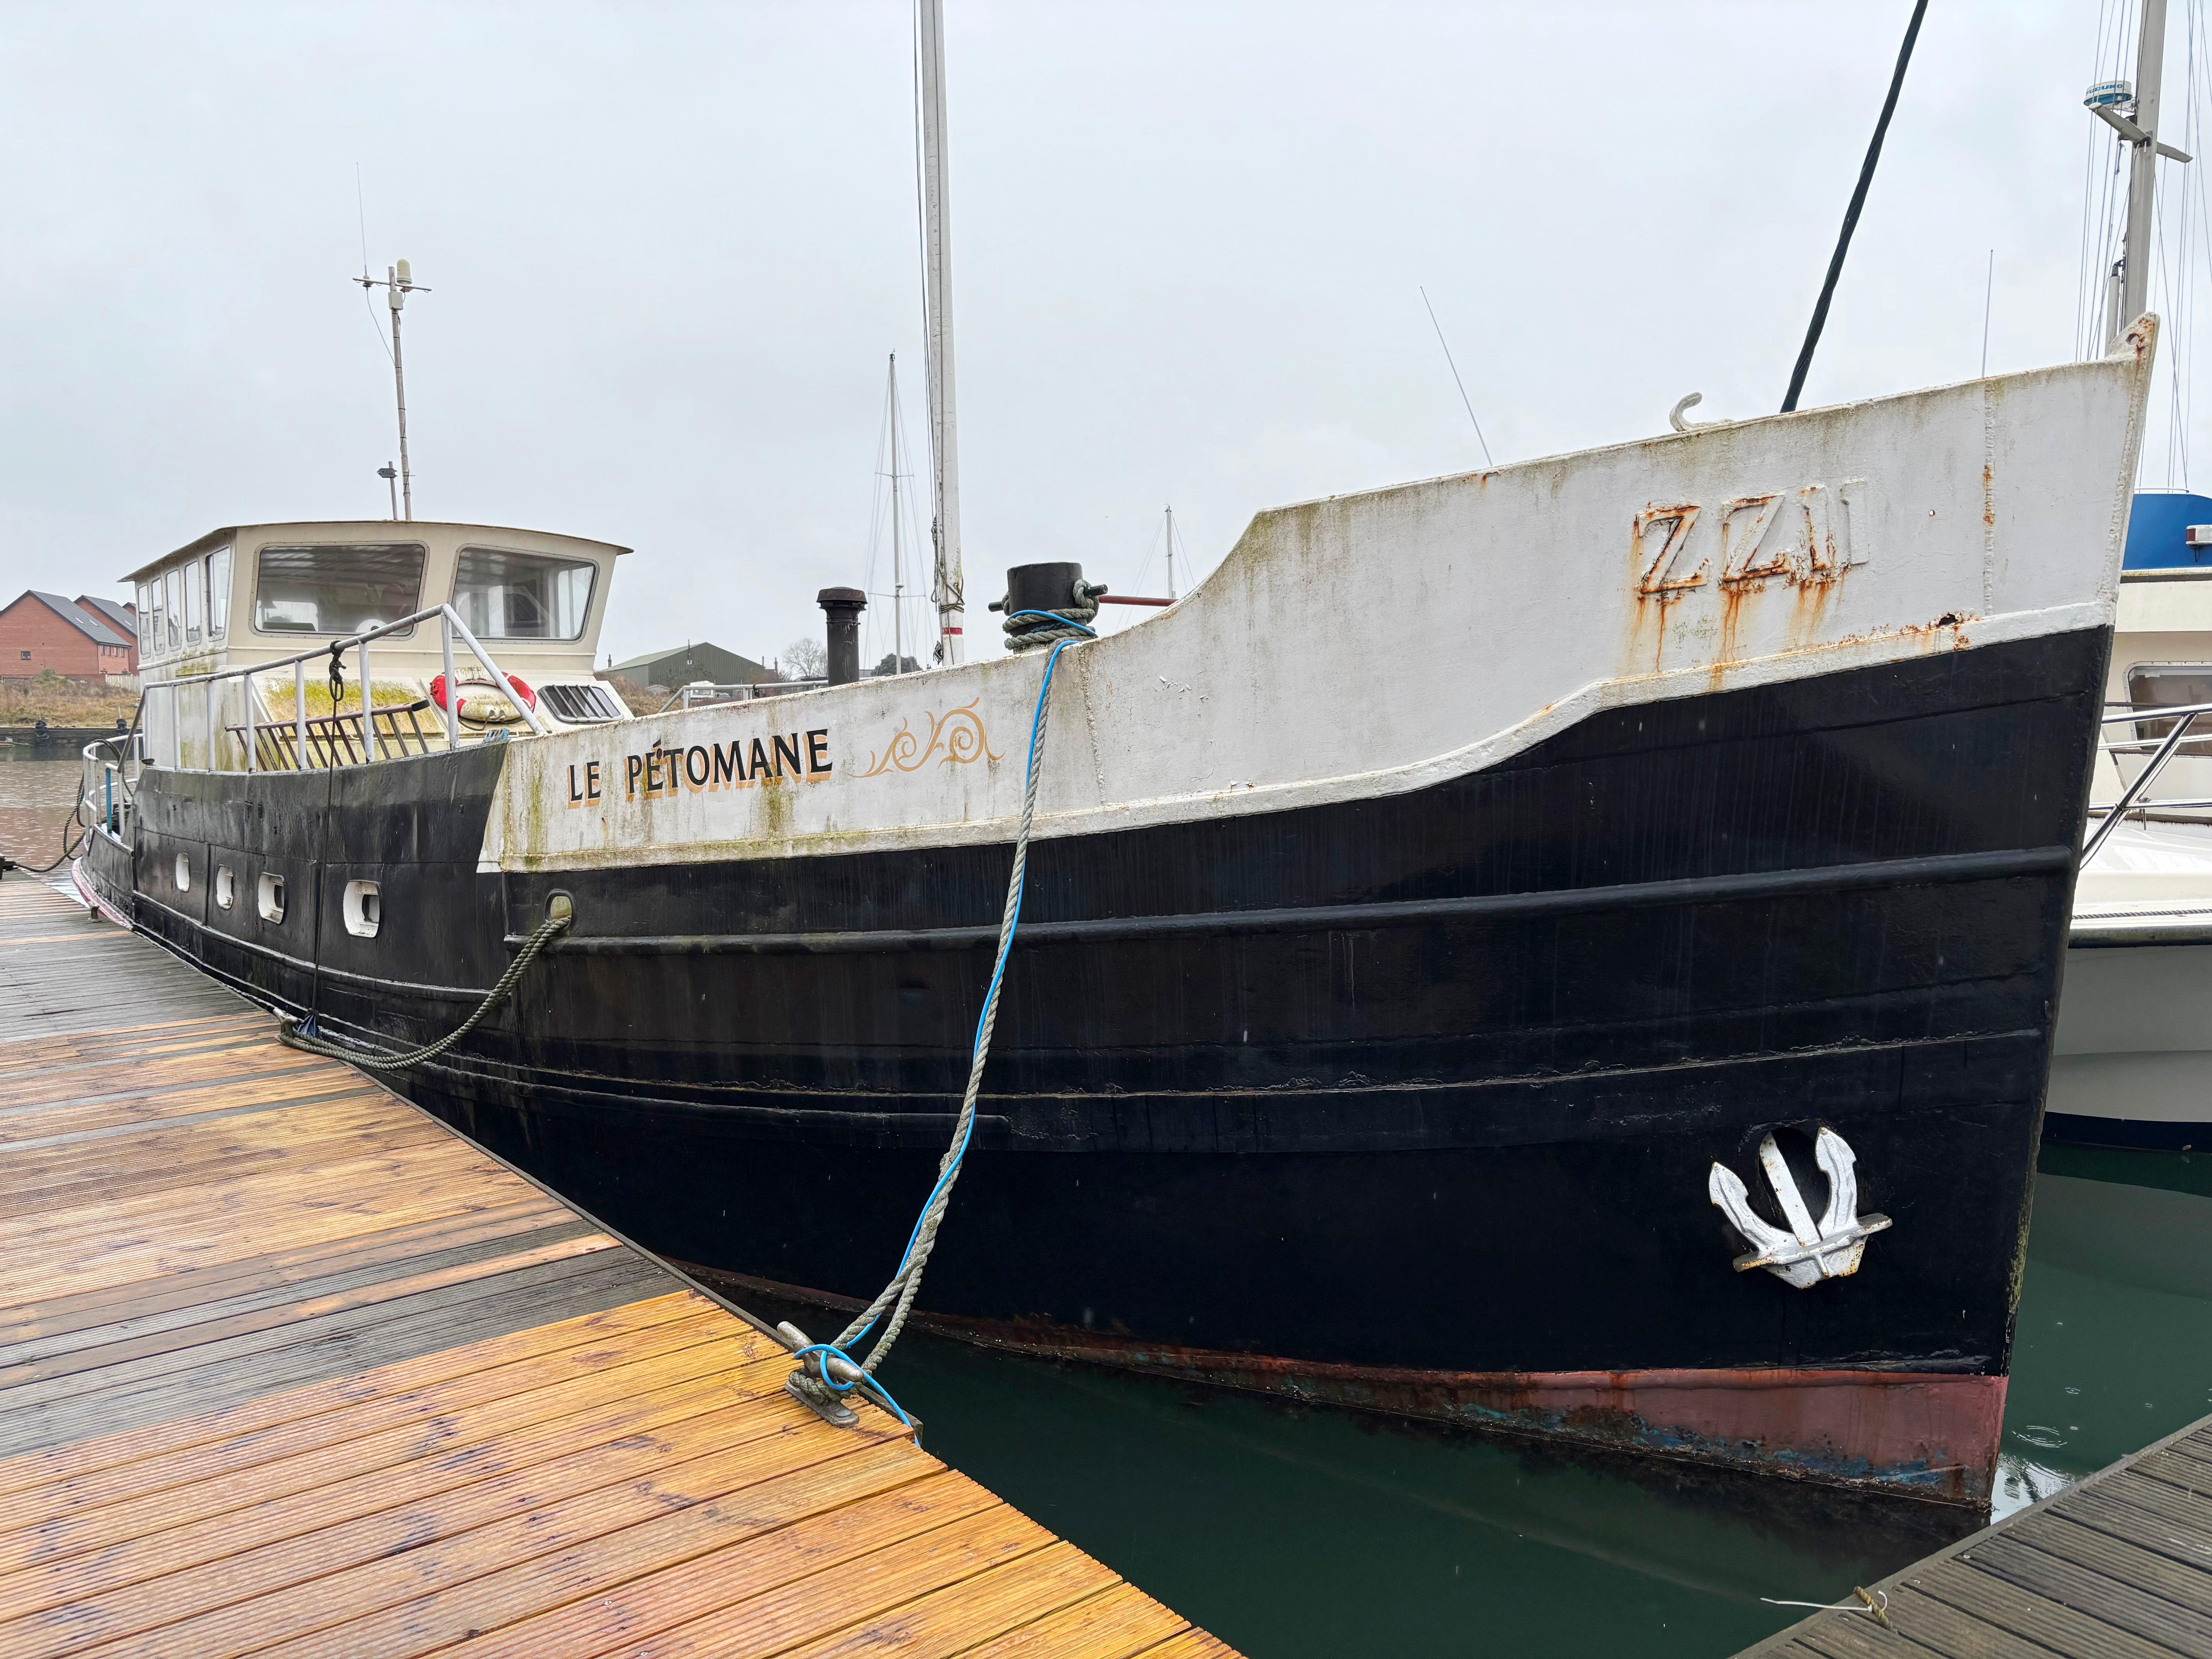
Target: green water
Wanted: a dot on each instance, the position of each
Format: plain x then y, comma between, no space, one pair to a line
1294,1534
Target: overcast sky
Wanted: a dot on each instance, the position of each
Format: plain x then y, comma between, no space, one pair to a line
672,246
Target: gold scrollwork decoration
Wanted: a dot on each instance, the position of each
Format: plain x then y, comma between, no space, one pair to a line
959,733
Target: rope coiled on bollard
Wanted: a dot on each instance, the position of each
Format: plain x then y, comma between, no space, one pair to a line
1027,630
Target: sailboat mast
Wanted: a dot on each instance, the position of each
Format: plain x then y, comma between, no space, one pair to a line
2132,112
937,258
1171,593
2143,177
899,567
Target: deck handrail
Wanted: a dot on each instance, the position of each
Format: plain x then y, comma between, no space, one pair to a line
2134,796
449,625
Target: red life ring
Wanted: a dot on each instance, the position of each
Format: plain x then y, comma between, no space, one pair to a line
521,690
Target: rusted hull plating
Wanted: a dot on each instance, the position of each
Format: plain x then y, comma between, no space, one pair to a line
1921,1434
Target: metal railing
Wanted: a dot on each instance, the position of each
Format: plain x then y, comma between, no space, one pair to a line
2134,796
108,793
743,691
308,737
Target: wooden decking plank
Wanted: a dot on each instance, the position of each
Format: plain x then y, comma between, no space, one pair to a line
265,1200
949,1617
2151,1514
1992,1600
1117,1622
72,1071
2124,1604
32,1322
601,1601
287,1367
323,1542
856,1600
185,1162
57,1125
298,1118
101,1510
1193,1644
50,1087
2188,1468
2114,1558
108,1467
261,1215
332,1346
86,1552
313,1319
433,1596
389,1283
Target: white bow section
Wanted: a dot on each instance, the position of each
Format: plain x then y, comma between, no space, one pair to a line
1806,1254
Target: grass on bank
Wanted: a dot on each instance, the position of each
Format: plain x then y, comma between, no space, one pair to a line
60,700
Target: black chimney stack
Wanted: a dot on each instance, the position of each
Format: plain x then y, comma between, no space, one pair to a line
843,607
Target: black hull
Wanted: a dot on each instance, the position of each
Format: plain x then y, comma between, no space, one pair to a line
1425,1083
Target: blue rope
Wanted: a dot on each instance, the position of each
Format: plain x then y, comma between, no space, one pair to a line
875,1387
822,1351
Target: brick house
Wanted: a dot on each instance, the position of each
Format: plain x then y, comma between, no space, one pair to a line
121,617
40,631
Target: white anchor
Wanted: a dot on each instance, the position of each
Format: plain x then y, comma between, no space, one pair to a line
1805,1254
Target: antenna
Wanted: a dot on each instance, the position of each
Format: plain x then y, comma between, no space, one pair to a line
1989,294
1456,381
398,282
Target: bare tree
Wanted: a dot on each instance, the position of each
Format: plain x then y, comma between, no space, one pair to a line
805,659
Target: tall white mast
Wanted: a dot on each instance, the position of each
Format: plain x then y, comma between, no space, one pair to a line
937,258
2143,175
2133,113
898,563
1171,593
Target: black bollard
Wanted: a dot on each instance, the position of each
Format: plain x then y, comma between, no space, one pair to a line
1041,587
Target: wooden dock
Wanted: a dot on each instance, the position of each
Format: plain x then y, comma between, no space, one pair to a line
2116,1566
288,1367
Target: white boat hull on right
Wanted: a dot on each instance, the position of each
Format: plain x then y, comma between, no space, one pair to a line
2132,1065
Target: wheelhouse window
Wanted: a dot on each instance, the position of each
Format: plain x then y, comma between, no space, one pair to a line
218,586
148,635
522,596
2173,685
337,589
195,596
173,604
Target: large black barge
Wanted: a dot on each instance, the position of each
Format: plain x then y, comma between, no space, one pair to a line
1470,1026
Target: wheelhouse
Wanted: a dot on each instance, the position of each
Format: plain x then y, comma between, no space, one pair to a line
245,601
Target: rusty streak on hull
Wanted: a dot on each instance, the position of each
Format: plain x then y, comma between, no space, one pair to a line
1925,1435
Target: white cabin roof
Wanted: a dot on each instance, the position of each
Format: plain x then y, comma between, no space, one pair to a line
346,530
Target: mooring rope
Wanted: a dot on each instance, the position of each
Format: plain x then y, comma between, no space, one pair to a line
301,1034
1874,1605
69,844
1028,629
834,1370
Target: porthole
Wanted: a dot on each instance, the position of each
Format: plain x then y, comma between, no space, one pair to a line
226,887
269,899
184,874
364,909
